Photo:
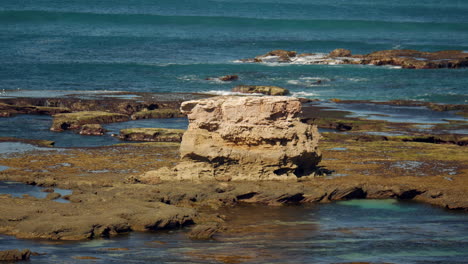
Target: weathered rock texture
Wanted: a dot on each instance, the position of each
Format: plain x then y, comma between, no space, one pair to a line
246,138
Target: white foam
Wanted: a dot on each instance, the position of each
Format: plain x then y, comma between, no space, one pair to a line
303,94
356,79
309,81
392,67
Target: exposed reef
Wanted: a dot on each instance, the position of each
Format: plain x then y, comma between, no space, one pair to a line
110,196
408,59
152,134
77,120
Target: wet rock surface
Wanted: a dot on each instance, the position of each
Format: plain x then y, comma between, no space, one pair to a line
152,134
109,196
92,130
408,59
15,255
77,120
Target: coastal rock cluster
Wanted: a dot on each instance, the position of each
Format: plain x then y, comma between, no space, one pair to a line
244,138
408,59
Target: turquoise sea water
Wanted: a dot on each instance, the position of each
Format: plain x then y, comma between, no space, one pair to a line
172,46
384,231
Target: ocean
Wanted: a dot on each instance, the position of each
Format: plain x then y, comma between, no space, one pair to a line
173,46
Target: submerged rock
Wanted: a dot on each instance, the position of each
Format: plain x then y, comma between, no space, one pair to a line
204,232
228,78
260,89
245,138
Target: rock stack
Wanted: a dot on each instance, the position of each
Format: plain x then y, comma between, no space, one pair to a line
245,139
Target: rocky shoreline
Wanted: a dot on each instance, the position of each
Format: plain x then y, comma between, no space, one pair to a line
109,198
407,59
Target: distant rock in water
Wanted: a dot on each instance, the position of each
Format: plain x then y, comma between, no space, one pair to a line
244,138
260,89
408,59
340,53
226,78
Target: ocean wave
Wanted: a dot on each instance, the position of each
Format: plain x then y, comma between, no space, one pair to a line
357,79
304,94
309,81
38,16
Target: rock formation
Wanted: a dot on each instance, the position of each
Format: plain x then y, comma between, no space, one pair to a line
407,59
244,138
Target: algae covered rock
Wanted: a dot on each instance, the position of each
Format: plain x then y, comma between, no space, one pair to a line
157,113
260,89
152,134
78,119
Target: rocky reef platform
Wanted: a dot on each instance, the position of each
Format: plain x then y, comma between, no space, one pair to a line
407,59
361,158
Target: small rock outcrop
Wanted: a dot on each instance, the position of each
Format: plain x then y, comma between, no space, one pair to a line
92,130
77,120
152,134
245,139
260,89
407,59
15,255
340,53
229,78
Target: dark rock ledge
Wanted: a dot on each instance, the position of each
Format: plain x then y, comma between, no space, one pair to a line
407,59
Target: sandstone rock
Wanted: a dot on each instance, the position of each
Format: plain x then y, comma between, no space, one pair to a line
152,134
267,90
246,138
77,120
92,130
340,53
15,255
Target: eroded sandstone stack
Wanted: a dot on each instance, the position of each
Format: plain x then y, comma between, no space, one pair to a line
246,138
